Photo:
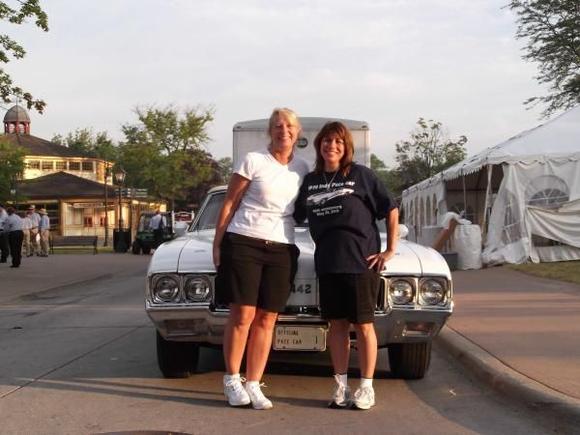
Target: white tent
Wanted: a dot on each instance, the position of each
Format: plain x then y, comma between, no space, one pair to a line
524,193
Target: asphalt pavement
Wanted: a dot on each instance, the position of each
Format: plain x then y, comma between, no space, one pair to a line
518,333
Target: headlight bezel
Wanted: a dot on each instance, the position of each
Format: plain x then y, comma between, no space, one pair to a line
444,292
179,295
201,279
395,300
156,280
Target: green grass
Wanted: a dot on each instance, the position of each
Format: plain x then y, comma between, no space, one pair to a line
568,271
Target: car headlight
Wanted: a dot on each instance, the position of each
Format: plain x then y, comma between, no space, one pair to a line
432,291
197,289
401,291
165,289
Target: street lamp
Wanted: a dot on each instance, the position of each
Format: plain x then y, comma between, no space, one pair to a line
121,245
107,173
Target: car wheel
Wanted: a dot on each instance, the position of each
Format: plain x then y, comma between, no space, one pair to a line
136,248
146,250
410,360
176,359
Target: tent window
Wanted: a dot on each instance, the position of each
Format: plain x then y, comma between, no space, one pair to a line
512,228
547,191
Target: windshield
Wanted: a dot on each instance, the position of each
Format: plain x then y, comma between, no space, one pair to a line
209,214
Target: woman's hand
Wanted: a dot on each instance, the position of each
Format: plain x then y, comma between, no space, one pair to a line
378,261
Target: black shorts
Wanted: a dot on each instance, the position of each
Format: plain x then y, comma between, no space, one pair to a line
350,296
255,272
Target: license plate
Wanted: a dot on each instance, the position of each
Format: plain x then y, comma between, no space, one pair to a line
299,338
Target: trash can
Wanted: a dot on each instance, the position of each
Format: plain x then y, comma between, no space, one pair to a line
121,240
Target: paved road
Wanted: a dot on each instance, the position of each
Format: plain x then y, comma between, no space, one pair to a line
81,359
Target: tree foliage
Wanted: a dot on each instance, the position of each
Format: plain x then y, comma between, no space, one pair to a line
164,152
11,168
88,144
389,177
427,152
551,29
225,168
9,48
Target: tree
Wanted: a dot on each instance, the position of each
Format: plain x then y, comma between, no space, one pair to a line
426,153
225,169
10,48
551,29
88,144
389,177
11,168
164,151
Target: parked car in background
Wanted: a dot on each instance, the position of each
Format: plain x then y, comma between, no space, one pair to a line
414,302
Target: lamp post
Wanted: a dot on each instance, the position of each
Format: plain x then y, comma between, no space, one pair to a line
107,173
121,245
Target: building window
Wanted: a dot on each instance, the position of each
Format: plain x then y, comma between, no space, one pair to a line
74,166
60,166
34,164
47,165
88,221
88,166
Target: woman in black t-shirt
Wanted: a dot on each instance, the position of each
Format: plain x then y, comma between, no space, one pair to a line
342,201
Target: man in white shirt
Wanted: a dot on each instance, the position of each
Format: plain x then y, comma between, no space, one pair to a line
27,248
4,250
35,218
157,224
13,226
44,229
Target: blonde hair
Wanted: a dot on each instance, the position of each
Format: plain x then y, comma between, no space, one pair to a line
283,112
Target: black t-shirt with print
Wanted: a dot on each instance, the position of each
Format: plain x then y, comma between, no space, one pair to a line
342,213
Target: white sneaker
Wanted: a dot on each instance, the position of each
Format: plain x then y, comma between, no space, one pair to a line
364,398
234,391
259,401
341,395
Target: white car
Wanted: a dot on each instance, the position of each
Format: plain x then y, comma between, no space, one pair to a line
415,300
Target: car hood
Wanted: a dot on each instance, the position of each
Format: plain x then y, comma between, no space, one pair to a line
193,253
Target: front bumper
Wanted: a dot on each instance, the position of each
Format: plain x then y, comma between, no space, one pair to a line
203,325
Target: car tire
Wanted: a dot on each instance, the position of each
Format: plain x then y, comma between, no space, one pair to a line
146,250
410,360
136,248
176,359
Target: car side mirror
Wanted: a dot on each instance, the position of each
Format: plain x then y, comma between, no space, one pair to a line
403,231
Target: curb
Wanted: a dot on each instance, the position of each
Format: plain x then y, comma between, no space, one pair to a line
520,388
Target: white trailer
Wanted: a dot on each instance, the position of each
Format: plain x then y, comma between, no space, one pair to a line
253,136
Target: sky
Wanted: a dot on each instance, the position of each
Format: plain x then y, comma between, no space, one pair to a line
386,62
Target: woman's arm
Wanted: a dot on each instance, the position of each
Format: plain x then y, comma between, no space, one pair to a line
377,261
236,189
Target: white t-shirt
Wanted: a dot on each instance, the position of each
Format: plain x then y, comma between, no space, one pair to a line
265,211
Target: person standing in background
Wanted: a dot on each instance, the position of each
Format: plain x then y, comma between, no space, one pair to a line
4,250
27,249
157,224
35,218
44,229
13,226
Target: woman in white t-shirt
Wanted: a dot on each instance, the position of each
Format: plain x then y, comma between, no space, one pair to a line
255,255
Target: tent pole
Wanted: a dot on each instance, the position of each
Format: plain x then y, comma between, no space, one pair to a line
464,194
486,204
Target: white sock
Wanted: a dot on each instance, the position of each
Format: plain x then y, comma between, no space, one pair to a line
252,384
366,382
343,378
232,377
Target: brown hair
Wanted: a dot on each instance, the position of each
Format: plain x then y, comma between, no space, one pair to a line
343,132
